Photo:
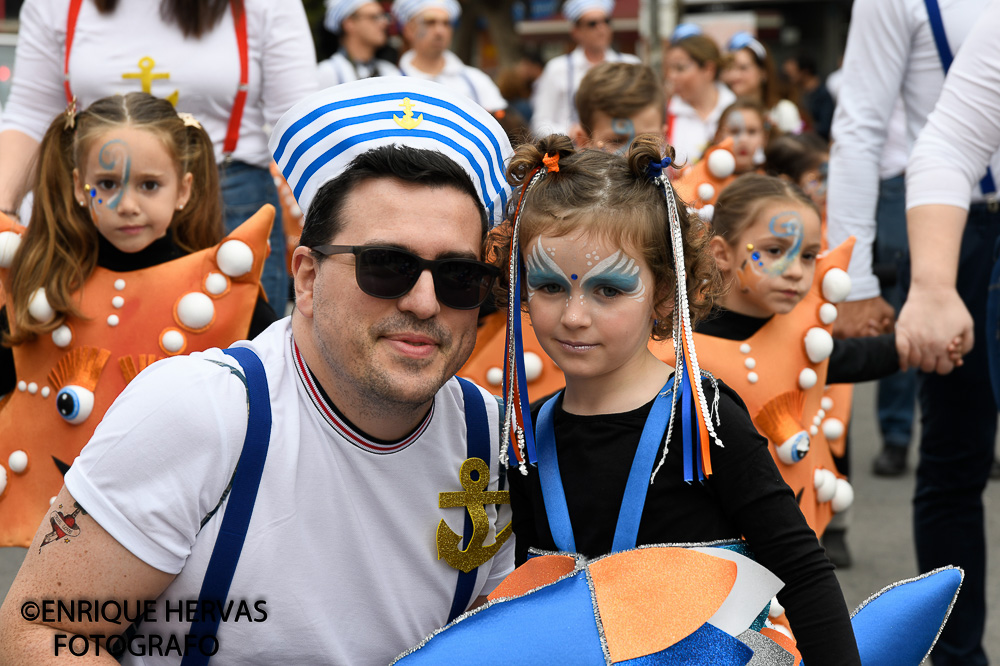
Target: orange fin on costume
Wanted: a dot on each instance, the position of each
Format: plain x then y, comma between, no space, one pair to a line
688,182
132,366
80,367
534,573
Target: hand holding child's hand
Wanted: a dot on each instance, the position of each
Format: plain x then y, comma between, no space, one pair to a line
955,351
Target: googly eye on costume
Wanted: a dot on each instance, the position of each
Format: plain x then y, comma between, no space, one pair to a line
75,403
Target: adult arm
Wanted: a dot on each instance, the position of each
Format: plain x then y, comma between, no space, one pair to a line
948,160
878,33
90,566
289,61
36,96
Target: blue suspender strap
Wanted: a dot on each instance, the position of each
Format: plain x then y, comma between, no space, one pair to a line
236,520
986,185
556,509
477,431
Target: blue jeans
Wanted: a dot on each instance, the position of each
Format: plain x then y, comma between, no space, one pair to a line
959,419
897,395
245,188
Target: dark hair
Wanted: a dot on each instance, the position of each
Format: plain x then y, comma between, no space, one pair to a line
702,49
412,165
793,156
807,63
194,17
610,196
59,250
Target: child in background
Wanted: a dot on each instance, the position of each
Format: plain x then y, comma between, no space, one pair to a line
616,102
600,281
803,160
99,286
745,121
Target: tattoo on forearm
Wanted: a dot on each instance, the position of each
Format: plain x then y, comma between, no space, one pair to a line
64,525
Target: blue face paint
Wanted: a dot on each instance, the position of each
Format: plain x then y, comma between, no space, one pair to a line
625,131
540,278
623,282
110,162
573,276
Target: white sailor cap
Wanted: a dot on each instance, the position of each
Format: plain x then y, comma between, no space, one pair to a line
317,139
574,9
338,10
404,10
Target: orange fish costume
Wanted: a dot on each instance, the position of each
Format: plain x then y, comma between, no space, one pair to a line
780,372
68,378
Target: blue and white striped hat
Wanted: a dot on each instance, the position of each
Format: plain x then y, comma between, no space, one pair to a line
316,139
338,10
574,9
404,10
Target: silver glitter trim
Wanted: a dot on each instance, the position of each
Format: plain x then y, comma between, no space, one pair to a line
597,617
912,580
766,652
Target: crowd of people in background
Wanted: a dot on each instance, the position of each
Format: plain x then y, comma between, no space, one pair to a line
778,163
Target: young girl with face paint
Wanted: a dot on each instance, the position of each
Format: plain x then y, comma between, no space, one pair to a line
598,236
745,121
100,284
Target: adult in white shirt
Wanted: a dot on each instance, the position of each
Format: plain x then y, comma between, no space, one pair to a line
361,25
343,546
692,65
193,58
428,29
892,50
554,110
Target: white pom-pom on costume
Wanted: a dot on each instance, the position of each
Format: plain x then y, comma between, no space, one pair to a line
819,344
807,379
22,386
235,258
828,313
195,310
117,301
119,284
9,242
826,484
52,500
836,285
216,283
32,388
813,430
113,320
173,341
826,403
532,366
39,308
706,212
18,461
62,336
3,479
750,363
706,191
833,428
752,377
843,496
46,391
494,376
744,348
721,163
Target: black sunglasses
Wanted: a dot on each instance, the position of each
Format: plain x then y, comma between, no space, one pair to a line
389,272
593,23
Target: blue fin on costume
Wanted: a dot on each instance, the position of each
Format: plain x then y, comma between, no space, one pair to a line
899,625
707,645
554,625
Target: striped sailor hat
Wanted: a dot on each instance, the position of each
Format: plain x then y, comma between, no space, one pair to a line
316,139
338,10
404,10
574,9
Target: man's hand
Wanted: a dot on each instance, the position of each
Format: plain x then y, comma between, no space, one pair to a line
934,325
864,318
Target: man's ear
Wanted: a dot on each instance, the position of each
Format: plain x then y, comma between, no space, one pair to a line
579,137
724,255
304,267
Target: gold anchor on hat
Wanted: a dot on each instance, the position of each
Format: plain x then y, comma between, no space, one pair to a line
473,498
408,122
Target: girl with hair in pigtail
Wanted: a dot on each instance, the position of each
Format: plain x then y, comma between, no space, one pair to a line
118,268
634,452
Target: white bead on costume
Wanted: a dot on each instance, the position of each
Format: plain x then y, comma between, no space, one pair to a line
215,283
826,485
532,366
721,163
195,310
836,285
828,313
39,308
494,376
9,242
807,379
62,336
235,258
18,461
819,344
706,191
843,496
833,428
173,341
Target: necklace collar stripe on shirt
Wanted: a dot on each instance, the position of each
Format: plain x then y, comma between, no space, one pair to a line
339,424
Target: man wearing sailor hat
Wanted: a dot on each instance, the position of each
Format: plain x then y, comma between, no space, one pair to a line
331,482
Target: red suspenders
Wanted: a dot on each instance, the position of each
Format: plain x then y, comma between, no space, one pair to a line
235,116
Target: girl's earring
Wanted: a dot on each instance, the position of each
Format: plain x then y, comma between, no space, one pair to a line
180,207
82,204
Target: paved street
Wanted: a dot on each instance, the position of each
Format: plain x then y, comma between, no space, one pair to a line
879,534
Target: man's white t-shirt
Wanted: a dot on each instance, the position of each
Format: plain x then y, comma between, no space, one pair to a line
341,547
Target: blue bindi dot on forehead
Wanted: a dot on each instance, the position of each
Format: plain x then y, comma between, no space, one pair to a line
573,276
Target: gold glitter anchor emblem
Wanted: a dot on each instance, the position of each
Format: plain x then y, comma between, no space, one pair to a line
408,122
473,498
